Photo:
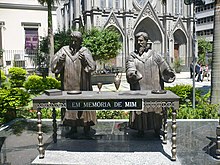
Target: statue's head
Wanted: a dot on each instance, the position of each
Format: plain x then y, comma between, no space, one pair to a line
141,39
76,39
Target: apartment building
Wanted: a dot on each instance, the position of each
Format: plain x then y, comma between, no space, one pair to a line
205,20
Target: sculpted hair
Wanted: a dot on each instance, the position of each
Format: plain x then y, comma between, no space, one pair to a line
76,34
145,35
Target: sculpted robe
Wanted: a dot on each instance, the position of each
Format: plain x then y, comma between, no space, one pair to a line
75,75
148,71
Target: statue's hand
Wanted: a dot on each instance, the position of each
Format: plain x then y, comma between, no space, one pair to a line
169,76
134,76
62,58
83,59
81,56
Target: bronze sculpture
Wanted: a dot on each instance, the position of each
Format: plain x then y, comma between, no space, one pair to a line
146,70
75,63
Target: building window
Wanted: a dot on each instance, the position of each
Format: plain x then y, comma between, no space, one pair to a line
31,40
110,4
102,4
117,4
178,7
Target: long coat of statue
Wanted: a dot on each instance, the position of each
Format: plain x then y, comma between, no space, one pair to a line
75,74
151,71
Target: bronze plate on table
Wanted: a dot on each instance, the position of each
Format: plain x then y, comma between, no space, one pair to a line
132,93
74,92
158,91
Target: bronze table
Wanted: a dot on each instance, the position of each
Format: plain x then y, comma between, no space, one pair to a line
126,100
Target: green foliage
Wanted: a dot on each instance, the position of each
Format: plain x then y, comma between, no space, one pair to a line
17,76
203,108
204,47
3,77
36,84
112,115
104,44
32,114
12,100
183,91
3,80
61,38
51,83
177,65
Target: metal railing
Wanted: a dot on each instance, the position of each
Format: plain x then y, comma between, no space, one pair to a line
19,58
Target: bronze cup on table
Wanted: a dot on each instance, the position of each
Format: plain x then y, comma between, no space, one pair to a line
117,82
99,85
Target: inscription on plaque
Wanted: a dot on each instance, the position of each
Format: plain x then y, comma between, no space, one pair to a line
119,104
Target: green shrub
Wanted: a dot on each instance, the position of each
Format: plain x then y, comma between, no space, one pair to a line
34,84
32,114
185,92
17,76
203,108
3,79
12,100
112,114
51,83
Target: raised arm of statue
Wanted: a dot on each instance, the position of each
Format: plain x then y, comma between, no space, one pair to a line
87,60
132,74
167,73
57,61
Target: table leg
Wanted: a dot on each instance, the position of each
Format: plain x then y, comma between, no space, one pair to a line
40,134
54,125
173,150
217,152
165,125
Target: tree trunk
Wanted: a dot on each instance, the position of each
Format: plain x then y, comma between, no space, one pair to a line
50,35
215,72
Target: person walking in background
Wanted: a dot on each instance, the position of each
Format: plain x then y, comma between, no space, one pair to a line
191,70
197,71
146,70
200,71
206,72
75,63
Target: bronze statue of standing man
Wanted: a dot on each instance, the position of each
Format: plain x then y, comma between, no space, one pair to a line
146,70
75,63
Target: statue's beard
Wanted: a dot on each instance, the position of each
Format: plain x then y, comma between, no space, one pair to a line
141,50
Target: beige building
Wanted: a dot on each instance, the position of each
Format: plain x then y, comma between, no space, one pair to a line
22,24
169,26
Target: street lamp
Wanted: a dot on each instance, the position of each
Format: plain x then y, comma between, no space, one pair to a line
195,3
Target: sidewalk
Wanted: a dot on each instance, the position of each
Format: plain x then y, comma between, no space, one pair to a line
181,78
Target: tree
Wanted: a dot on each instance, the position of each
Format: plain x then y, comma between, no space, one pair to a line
104,44
50,5
215,76
203,48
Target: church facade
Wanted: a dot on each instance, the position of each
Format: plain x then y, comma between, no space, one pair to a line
169,25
